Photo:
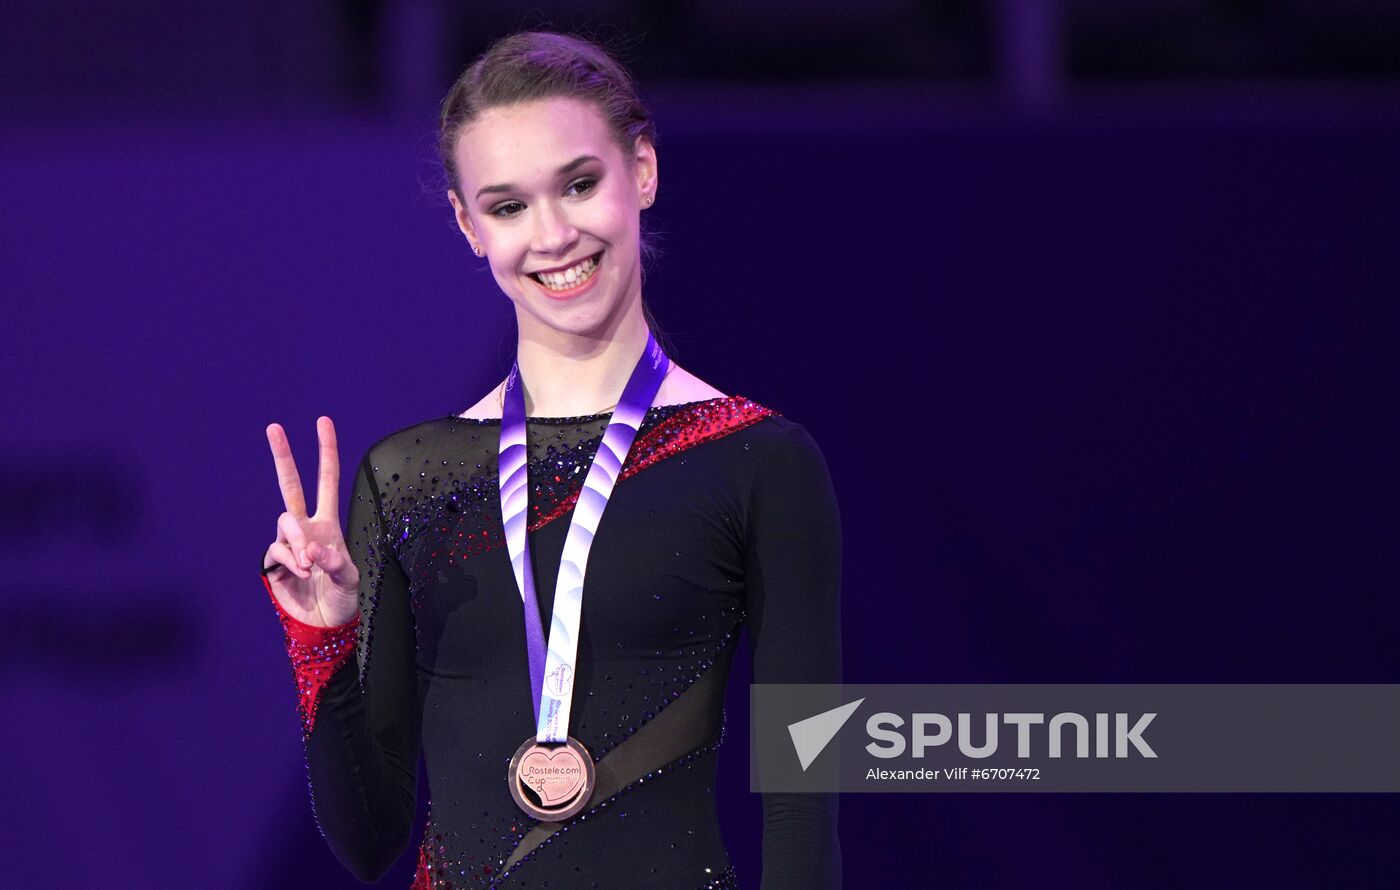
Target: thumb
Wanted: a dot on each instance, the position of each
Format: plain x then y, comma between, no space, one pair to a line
331,561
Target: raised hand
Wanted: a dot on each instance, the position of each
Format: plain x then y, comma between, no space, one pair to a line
315,580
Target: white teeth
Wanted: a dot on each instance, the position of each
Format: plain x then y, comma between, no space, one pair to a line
569,277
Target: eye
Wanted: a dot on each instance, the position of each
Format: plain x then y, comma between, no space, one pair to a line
510,209
585,185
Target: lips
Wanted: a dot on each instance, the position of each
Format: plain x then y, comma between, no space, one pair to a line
569,281
566,266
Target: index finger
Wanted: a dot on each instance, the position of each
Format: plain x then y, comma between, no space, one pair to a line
287,477
328,489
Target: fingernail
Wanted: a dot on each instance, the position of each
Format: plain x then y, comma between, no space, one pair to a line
302,560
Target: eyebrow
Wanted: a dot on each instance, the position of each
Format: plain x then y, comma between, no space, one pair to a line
562,171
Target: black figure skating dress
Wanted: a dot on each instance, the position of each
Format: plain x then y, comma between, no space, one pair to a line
723,517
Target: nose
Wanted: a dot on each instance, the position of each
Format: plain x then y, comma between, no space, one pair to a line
554,233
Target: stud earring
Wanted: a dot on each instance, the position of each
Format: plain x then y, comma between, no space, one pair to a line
650,198
478,250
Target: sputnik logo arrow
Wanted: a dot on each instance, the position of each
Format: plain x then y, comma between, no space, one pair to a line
811,736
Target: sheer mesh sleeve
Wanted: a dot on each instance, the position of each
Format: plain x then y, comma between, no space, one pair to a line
793,583
362,754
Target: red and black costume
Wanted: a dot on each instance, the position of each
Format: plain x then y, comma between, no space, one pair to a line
723,517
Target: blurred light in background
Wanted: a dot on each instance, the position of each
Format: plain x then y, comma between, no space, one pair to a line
64,58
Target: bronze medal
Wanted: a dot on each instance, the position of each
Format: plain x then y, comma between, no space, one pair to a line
551,782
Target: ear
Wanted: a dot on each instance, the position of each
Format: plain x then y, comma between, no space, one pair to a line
464,221
644,160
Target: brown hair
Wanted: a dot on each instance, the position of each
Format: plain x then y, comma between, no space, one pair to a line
531,65
541,65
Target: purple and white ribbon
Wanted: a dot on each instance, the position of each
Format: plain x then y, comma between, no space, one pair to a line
552,672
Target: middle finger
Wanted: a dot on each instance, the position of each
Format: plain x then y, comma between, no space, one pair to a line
328,488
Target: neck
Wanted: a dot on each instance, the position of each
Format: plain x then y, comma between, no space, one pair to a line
565,375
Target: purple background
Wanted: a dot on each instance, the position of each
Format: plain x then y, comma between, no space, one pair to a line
1104,294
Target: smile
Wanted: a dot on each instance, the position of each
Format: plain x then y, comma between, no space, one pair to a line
570,281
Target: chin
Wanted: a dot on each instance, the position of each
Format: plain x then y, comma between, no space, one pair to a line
575,321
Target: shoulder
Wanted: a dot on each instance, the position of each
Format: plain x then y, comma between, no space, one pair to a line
767,433
777,450
785,441
418,462
791,495
415,439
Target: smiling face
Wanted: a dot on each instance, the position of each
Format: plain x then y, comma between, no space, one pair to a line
553,203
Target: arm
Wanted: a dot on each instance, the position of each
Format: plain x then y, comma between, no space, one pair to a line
793,585
362,738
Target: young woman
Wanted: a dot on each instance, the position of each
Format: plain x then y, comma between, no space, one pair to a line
543,593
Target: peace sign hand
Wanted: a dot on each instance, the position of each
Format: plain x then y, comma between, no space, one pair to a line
315,580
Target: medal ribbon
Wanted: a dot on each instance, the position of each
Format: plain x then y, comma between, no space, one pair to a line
552,670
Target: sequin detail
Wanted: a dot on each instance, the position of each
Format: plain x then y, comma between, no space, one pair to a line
316,653
561,471
726,880
423,875
682,430
436,865
685,677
